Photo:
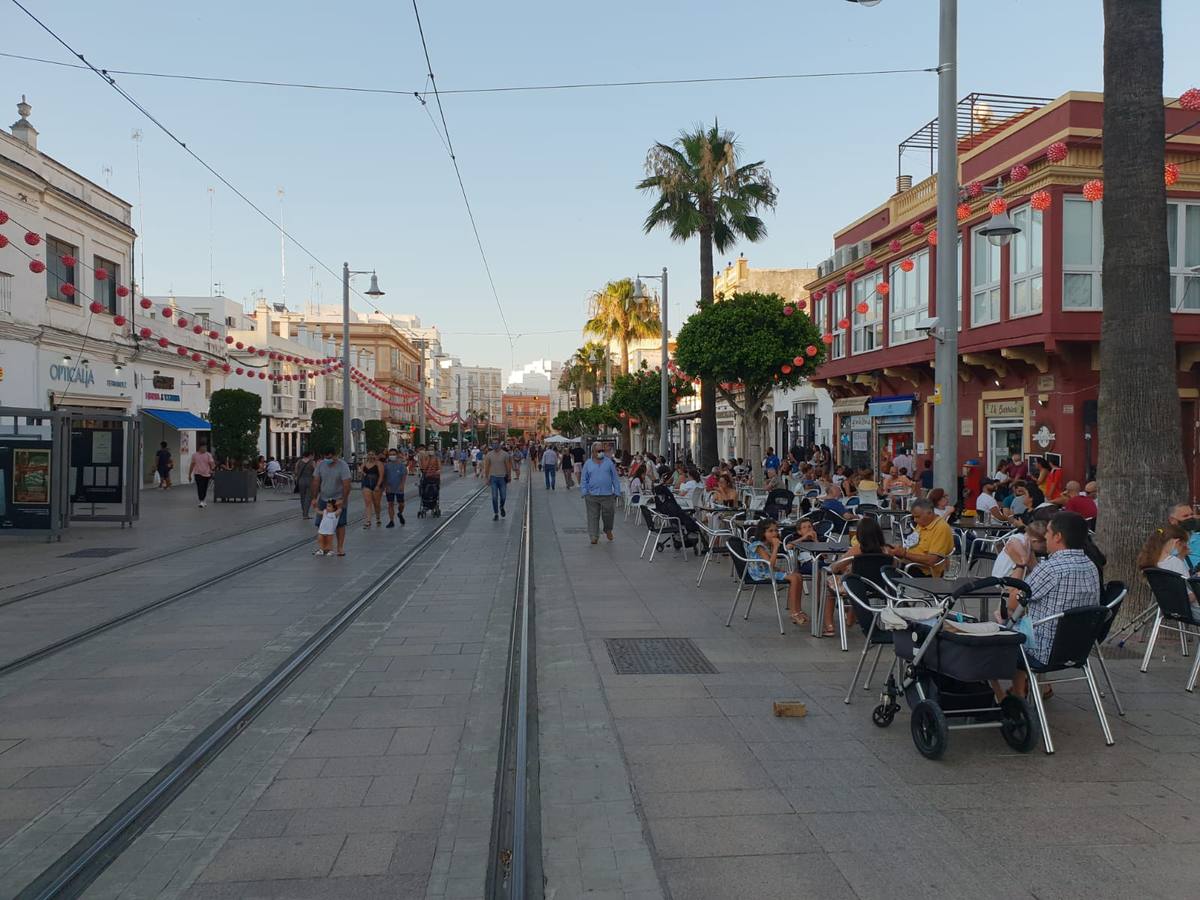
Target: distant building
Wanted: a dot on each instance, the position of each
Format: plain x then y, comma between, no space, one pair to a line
530,413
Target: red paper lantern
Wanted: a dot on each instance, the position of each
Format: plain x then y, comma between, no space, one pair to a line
932,239
95,306
68,260
1057,152
182,351
36,266
181,322
249,374
3,241
250,349
843,323
1019,172
262,352
827,338
228,339
883,288
239,345
998,206
964,212
798,361
32,238
66,289
100,274
145,303
163,342
1093,190
906,265
1041,200
787,310
122,291
262,376
167,312
197,329
226,368
917,228
213,334
974,190
118,320
811,350
863,308
785,369
145,332
196,357
802,304
1170,174
1190,99
872,262
212,363
3,217
894,246
239,370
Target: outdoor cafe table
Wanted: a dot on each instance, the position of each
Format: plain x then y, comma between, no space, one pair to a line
819,549
944,587
962,526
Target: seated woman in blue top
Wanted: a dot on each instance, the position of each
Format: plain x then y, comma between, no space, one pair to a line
767,546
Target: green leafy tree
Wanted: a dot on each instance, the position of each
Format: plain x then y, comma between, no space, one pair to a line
745,346
639,396
375,432
703,191
235,416
326,433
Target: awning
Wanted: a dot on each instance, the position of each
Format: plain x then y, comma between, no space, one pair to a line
179,419
679,417
890,406
850,405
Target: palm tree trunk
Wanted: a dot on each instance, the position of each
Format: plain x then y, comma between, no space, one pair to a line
708,391
626,443
1138,388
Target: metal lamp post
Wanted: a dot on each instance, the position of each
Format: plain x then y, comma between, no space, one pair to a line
639,293
372,291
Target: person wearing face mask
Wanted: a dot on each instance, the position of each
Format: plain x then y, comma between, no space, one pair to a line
497,470
395,473
1166,548
1184,516
600,486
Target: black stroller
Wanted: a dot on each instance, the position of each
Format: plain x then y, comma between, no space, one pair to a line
674,523
944,673
430,490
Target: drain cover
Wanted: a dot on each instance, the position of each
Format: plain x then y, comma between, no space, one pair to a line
657,656
95,553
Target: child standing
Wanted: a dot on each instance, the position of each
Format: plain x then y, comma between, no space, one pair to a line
327,528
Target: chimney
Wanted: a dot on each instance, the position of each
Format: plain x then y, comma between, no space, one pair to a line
21,128
903,183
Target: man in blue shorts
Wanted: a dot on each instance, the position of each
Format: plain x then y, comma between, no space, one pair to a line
332,479
395,473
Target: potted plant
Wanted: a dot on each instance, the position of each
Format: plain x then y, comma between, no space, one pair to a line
235,415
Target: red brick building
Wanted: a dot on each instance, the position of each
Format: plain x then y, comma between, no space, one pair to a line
1030,311
528,412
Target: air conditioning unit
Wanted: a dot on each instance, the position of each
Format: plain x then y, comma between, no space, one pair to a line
862,249
824,267
842,257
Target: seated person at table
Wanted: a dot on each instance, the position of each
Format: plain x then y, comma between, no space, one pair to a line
768,546
1021,551
985,503
772,480
1074,500
942,506
1184,516
868,541
710,483
931,541
691,481
726,493
1166,548
1066,579
832,500
637,483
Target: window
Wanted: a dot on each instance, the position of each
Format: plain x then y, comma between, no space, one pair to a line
395,360
985,281
836,313
105,292
59,273
1083,249
868,326
6,281
819,312
276,384
1183,242
909,298
1025,263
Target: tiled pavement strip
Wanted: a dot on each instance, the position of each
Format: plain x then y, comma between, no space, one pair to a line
738,803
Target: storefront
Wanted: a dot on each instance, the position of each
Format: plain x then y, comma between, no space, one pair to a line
895,428
179,430
74,382
853,432
1005,427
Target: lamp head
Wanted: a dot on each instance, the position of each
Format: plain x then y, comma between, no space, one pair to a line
867,3
1000,230
373,290
639,289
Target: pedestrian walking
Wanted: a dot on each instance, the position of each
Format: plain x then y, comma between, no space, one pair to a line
200,470
577,458
394,476
518,455
372,488
332,478
163,464
600,487
304,479
497,469
327,527
568,469
550,467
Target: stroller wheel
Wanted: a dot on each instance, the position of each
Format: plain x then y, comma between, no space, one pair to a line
1018,726
929,730
883,715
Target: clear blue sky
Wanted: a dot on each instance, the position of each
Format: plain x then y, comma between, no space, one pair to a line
551,175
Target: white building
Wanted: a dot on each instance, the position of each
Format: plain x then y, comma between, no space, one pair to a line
479,387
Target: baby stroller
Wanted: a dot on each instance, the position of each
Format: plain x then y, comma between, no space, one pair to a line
945,662
688,532
430,490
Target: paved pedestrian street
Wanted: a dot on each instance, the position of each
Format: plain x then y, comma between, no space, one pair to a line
374,773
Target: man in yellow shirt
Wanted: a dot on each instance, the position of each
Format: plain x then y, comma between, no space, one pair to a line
934,543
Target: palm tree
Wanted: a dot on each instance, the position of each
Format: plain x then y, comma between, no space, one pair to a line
617,316
1138,388
702,190
592,360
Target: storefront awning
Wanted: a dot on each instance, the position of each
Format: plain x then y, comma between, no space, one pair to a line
850,405
679,417
890,406
179,419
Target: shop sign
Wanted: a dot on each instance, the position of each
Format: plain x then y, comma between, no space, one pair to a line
966,427
861,440
857,422
1045,383
162,397
1043,437
81,376
996,409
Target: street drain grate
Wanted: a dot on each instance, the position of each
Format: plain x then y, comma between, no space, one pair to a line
657,656
95,553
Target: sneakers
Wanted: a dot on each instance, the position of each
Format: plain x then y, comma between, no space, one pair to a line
318,552
502,513
401,518
390,524
609,535
202,504
495,518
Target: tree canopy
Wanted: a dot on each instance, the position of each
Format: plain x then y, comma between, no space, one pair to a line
235,416
639,395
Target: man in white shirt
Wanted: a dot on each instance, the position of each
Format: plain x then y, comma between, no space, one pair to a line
985,503
903,461
550,467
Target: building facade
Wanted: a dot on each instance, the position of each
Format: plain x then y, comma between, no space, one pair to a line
527,413
1030,311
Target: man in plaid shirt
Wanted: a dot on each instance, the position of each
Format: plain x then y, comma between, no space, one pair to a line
1065,580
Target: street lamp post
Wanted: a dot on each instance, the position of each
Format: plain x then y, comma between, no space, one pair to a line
372,291
639,293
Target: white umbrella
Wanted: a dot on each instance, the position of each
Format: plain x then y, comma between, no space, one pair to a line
559,439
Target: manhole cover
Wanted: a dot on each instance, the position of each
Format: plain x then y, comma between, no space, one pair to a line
657,656
95,552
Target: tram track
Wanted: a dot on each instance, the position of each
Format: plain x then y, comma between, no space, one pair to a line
72,873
